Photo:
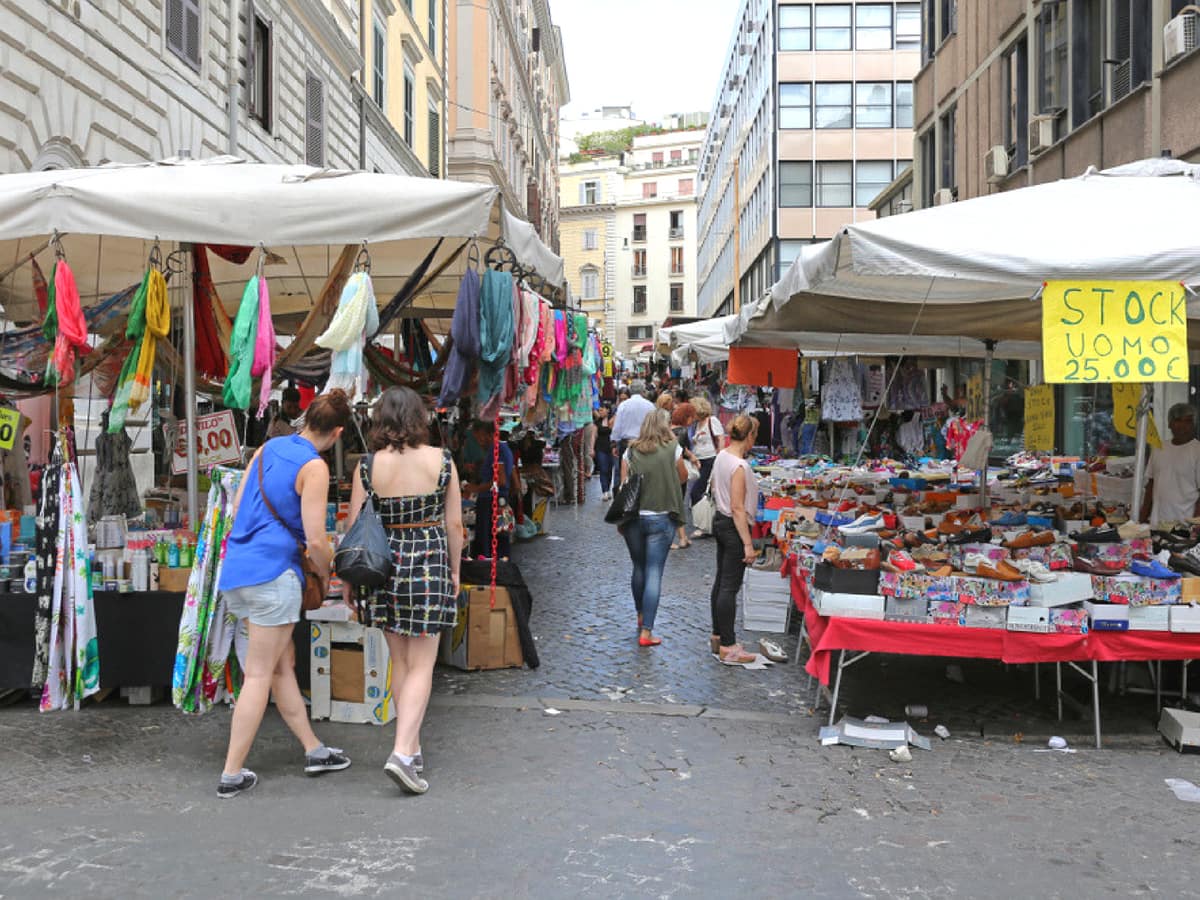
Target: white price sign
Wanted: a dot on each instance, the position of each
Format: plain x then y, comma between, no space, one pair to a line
216,442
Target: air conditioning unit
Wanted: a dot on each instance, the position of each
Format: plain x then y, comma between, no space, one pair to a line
995,164
943,196
1041,134
1180,35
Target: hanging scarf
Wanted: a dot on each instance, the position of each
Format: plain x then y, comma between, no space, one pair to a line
464,339
236,394
47,541
64,324
157,323
264,347
211,359
495,332
40,290
561,345
533,354
135,329
356,314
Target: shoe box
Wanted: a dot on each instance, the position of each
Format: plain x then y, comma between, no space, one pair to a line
1185,618
946,612
1071,587
906,609
985,616
1189,589
766,602
1150,618
1068,621
1135,590
1107,616
1029,618
852,606
1180,728
845,581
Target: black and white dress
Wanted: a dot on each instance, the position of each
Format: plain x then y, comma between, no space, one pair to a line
419,599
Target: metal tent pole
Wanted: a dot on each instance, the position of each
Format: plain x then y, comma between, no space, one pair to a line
1139,465
189,397
990,345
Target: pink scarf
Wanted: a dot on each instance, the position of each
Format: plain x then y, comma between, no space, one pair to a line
72,326
264,347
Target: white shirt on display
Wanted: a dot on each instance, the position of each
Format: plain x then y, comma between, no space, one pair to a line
1175,471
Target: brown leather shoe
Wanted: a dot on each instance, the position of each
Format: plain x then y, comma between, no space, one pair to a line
942,572
1031,539
1001,570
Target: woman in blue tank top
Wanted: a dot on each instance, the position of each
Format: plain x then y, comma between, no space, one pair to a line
262,581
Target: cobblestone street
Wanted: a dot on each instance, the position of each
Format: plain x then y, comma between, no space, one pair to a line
662,774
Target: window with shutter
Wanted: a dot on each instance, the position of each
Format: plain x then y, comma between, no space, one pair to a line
183,30
435,143
314,117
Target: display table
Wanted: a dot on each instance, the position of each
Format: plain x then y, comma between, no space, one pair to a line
828,635
137,635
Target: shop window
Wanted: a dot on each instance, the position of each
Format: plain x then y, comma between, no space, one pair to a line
835,184
873,104
795,184
795,27
834,105
259,67
871,177
795,105
908,26
904,104
873,26
314,120
832,31
1016,103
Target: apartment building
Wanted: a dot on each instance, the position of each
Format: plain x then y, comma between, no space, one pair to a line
590,246
1017,92
404,52
812,119
268,80
506,84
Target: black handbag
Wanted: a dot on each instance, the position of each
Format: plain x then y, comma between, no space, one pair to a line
364,557
627,501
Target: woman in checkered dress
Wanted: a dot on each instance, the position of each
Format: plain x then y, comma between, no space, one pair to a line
415,488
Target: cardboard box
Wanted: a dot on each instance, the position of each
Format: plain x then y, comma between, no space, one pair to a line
1180,728
1069,621
350,674
1029,618
174,580
946,612
1107,616
1189,589
485,637
853,606
906,609
846,581
1071,587
984,616
1185,619
1149,618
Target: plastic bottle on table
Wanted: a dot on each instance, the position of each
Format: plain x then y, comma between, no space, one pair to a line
173,555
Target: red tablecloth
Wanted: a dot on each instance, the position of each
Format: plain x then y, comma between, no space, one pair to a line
829,634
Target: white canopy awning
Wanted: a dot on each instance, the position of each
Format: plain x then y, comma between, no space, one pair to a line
970,269
110,217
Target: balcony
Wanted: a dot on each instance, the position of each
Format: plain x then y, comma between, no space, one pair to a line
677,269
639,234
639,271
676,234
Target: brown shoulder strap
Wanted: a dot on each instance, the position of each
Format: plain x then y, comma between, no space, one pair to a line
270,507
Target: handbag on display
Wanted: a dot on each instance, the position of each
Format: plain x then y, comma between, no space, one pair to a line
312,594
627,501
364,557
506,521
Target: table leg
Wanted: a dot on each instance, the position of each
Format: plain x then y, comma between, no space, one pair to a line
1157,686
1183,692
837,686
1058,687
801,639
1037,681
1096,699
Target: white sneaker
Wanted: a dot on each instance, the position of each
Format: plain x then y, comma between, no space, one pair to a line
1035,570
972,560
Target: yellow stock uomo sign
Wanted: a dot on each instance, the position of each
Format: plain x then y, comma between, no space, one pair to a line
1114,331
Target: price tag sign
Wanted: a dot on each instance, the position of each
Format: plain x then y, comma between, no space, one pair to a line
216,442
1124,414
10,420
606,354
975,398
1114,331
1039,418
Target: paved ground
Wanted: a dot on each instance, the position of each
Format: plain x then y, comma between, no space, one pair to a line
698,781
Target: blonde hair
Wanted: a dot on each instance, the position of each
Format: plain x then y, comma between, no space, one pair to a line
702,406
665,401
655,432
743,427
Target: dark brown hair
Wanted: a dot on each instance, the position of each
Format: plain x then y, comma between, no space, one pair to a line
328,412
399,420
743,427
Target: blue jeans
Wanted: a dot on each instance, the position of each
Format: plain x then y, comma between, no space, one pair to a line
604,465
649,541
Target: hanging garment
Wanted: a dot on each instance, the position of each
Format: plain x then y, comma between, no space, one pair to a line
47,539
531,319
114,489
206,628
40,289
264,347
65,315
74,662
975,455
910,390
157,326
496,332
135,330
562,345
874,383
911,437
356,317
464,339
236,394
841,399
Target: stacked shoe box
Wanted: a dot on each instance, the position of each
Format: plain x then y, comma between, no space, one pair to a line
766,602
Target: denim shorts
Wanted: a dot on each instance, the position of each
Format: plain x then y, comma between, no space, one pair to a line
271,603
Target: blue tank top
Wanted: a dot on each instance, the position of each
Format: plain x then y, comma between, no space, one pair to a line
259,549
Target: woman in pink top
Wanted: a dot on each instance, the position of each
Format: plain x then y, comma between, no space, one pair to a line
735,493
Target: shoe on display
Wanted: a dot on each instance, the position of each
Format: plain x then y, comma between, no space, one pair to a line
1151,568
1183,562
863,524
1011,519
1034,571
971,536
972,561
1001,570
1105,534
1031,539
1093,566
903,562
1132,531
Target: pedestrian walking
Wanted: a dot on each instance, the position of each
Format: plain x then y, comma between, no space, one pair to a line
683,416
481,489
280,500
657,457
604,451
415,490
708,439
735,494
627,423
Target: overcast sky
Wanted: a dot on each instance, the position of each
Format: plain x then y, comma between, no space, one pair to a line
659,56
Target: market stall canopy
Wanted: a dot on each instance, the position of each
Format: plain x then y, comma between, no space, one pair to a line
969,269
109,218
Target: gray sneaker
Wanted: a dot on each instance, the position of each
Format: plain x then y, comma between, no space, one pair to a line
334,760
227,790
418,762
405,775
